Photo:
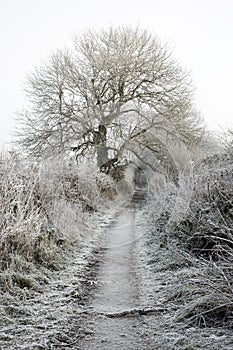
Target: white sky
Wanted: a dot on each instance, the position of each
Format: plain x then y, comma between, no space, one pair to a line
200,33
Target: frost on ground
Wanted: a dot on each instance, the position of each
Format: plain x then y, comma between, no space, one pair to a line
152,318
125,284
37,321
70,312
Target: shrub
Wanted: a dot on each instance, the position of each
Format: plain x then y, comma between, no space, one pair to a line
43,209
207,234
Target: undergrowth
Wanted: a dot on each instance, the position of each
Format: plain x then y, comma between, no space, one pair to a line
207,235
44,210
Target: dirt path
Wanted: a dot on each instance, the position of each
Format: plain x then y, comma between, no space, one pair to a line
116,293
132,307
118,287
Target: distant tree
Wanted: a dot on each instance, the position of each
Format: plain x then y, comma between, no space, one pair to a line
105,95
229,141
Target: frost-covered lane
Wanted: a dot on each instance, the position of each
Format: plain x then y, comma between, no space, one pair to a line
137,274
98,300
118,286
118,289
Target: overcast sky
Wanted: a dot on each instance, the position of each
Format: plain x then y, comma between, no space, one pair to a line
200,33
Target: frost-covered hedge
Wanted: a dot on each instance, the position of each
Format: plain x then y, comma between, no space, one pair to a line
207,234
43,209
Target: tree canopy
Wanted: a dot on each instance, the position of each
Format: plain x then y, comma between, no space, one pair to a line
105,94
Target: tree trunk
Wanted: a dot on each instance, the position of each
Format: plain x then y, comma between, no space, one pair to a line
101,148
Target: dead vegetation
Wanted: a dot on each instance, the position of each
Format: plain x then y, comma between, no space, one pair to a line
207,235
197,280
43,211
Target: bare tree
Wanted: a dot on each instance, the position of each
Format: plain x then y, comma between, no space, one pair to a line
228,141
110,90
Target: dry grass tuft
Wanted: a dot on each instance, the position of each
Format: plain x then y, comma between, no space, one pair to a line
207,235
43,210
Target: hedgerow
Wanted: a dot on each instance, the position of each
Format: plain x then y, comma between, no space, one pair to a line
44,210
207,235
